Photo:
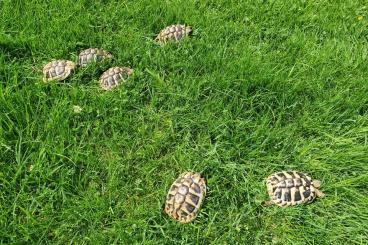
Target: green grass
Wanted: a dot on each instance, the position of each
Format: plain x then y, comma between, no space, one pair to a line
262,86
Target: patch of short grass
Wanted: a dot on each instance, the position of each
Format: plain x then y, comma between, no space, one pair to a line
262,86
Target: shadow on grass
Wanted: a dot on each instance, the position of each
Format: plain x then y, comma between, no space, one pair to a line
15,48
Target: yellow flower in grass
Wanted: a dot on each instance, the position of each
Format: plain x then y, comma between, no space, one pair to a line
77,109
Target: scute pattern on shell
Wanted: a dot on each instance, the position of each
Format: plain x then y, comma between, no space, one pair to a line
289,188
93,55
112,77
173,32
185,197
58,70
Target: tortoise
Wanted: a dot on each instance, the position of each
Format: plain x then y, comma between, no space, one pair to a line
290,188
58,70
173,32
112,77
185,197
93,55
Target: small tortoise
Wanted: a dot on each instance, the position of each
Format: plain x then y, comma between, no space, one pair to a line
289,188
112,77
58,70
185,197
173,32
93,55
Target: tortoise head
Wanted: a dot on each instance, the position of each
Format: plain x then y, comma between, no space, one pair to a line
316,184
188,30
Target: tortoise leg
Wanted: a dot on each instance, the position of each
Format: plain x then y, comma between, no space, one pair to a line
284,204
268,203
320,194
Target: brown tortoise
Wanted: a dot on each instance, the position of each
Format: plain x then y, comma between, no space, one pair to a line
289,188
93,55
113,76
173,32
58,70
185,197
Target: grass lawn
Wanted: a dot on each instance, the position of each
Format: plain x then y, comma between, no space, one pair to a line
262,86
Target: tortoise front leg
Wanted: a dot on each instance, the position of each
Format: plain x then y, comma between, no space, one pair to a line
268,203
320,194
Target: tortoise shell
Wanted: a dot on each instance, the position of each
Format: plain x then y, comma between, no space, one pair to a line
93,55
58,70
173,32
289,188
185,197
112,77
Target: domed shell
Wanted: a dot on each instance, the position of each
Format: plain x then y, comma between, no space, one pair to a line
173,32
290,188
113,76
185,197
58,70
93,55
